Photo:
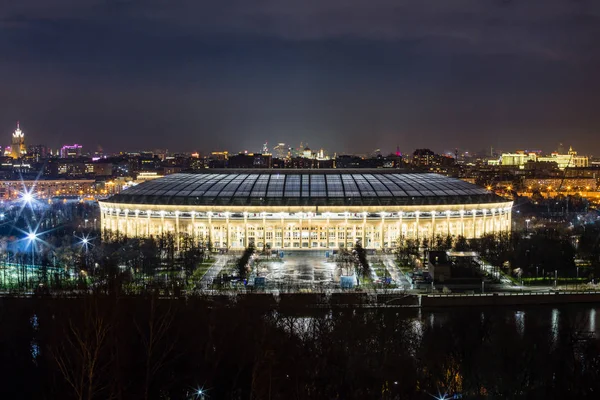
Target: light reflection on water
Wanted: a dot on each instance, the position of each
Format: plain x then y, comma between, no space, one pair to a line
581,318
555,327
34,347
520,322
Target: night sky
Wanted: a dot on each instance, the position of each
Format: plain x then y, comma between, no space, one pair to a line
346,75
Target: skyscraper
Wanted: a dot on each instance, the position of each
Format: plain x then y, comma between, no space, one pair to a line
18,148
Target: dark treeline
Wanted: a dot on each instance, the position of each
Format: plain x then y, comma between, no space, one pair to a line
535,253
99,347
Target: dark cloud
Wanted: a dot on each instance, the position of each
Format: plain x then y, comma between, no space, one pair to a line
348,75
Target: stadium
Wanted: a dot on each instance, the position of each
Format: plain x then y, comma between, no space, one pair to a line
305,209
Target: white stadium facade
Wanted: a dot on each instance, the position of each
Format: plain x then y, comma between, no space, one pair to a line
305,209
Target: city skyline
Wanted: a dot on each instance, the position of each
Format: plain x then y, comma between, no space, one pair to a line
295,148
346,75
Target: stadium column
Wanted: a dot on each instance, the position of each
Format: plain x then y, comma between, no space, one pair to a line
381,231
327,230
484,221
228,233
282,231
137,222
346,229
194,238
432,226
416,232
264,231
245,229
462,222
309,231
364,230
448,223
126,223
210,228
474,233
148,225
177,239
399,226
162,222
115,221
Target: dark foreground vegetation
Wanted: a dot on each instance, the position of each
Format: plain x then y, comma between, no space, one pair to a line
103,347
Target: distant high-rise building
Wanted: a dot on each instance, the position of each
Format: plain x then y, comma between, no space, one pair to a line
37,151
17,147
70,151
280,151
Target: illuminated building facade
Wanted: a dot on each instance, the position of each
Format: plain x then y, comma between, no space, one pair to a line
70,151
569,160
299,209
46,189
521,159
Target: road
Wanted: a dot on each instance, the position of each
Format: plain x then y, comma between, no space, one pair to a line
492,272
213,271
395,273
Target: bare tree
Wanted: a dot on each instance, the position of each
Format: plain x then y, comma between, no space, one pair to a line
158,323
81,356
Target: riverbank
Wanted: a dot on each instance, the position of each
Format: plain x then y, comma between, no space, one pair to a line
348,299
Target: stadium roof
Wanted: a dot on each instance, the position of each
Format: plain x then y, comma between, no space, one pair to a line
291,187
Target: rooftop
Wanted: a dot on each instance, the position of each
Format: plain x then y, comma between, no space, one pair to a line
291,187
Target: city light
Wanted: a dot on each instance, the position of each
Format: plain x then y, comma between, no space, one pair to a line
85,241
200,393
32,236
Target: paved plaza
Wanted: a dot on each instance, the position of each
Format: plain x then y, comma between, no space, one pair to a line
303,267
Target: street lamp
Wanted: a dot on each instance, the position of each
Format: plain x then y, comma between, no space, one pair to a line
32,237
